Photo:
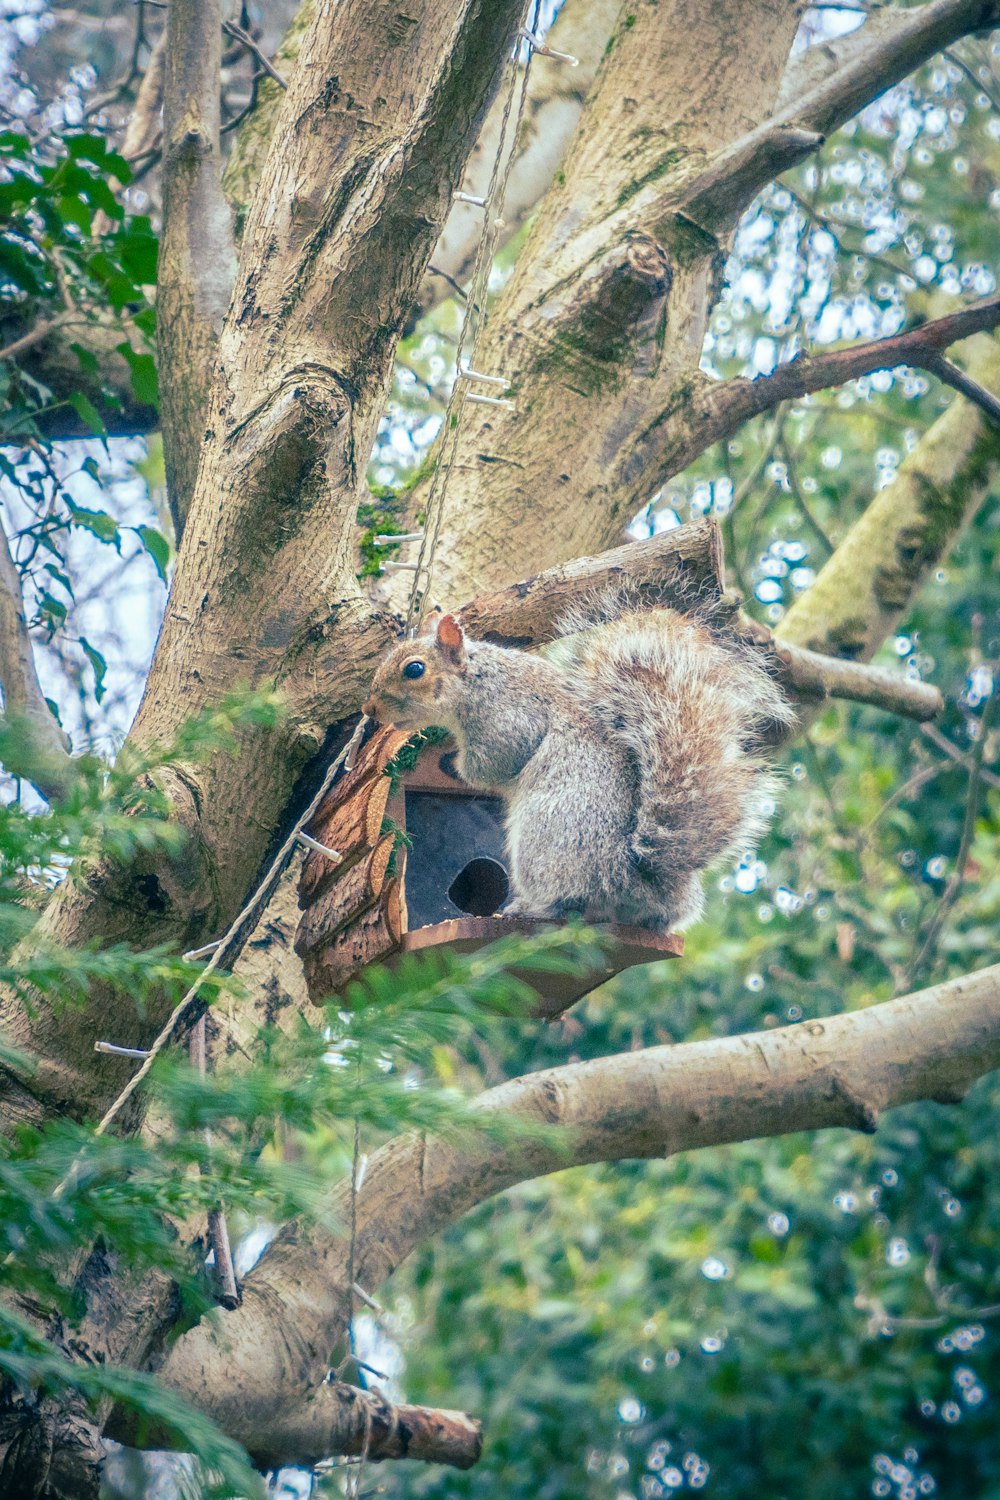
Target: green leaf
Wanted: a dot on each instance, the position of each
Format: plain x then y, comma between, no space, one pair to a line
87,359
143,368
138,247
76,211
157,546
60,577
51,613
98,522
94,148
12,143
99,665
87,412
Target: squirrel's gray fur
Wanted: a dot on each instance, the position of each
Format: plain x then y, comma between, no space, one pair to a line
629,757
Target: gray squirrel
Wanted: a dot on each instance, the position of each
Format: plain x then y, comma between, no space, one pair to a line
629,758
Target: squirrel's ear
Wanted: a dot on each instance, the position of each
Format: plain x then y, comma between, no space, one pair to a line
451,637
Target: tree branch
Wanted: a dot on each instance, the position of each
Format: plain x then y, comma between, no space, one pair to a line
714,410
197,262
44,759
679,567
813,675
333,1418
919,347
688,560
827,85
840,1071
863,591
950,374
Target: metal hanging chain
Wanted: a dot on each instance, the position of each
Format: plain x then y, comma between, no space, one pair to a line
474,317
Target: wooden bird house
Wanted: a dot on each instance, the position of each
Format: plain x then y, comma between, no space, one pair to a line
421,864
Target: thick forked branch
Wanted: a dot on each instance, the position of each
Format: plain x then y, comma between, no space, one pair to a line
373,134
681,567
46,756
613,347
716,410
738,400
821,88
333,1418
841,1071
197,263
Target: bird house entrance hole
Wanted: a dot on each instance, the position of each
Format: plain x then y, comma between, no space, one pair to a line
424,867
481,887
455,863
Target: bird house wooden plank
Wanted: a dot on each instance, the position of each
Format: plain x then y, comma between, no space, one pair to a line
363,939
628,947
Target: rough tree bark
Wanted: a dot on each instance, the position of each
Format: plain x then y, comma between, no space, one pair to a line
353,195
600,329
197,263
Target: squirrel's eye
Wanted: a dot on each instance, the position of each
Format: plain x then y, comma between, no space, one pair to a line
414,669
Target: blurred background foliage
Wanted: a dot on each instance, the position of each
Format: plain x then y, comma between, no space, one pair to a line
809,1316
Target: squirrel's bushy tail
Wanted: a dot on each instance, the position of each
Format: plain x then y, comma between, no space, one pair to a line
695,705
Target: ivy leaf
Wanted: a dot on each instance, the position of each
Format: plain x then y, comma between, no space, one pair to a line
99,665
98,522
51,613
157,546
143,368
87,412
138,247
59,576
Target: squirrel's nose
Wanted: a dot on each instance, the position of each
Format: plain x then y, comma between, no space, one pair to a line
370,708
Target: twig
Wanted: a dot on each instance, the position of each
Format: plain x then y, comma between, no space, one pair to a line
948,1314
445,276
956,880
248,108
915,782
800,499
229,1294
932,733
33,336
950,374
964,67
121,88
834,230
246,40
